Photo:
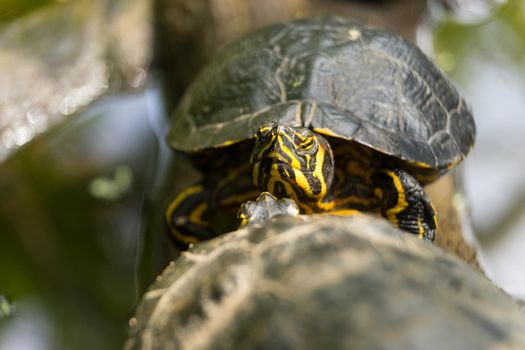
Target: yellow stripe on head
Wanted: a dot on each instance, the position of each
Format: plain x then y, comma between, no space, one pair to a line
255,173
294,158
318,170
296,164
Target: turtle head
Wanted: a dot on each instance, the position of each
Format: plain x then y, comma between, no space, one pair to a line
293,162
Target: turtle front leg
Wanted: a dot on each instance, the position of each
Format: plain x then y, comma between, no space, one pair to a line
185,216
204,211
404,203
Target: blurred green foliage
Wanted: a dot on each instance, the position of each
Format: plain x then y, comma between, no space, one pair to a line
10,9
71,223
6,308
499,38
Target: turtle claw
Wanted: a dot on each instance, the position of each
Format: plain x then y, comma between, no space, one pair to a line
265,207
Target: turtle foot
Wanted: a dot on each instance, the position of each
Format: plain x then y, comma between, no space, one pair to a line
265,207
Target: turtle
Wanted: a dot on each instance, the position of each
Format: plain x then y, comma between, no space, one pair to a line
333,114
323,282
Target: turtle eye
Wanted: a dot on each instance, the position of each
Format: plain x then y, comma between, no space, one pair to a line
265,129
262,132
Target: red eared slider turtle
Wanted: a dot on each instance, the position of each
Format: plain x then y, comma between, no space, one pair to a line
323,282
325,111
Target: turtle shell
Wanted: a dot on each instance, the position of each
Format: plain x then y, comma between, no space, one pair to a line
339,78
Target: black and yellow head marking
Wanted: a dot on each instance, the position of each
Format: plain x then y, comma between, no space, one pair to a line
293,162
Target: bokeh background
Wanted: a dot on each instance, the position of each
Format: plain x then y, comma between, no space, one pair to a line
85,171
